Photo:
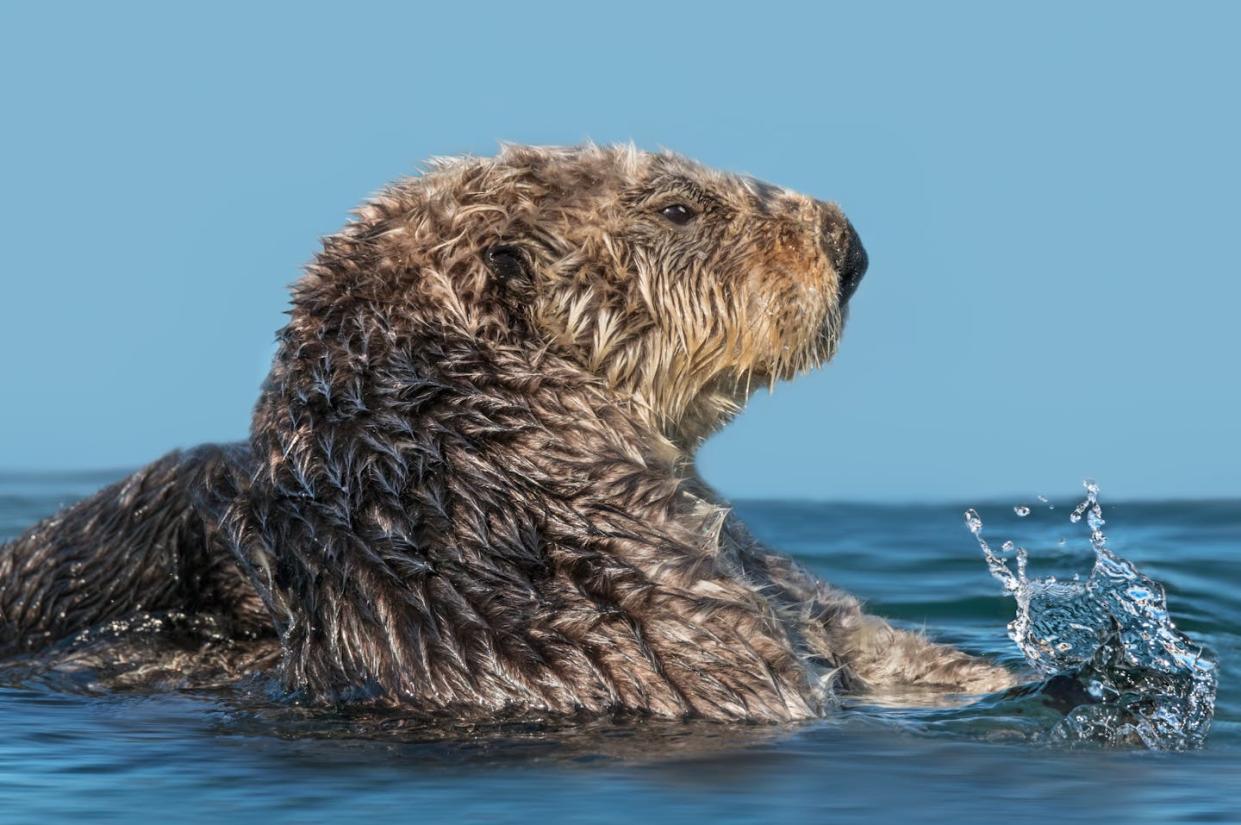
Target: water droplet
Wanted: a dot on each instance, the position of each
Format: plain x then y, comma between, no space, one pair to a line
1021,510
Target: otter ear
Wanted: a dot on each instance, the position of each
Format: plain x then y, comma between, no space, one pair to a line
508,262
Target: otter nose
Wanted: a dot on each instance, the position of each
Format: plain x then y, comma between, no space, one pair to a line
851,262
844,249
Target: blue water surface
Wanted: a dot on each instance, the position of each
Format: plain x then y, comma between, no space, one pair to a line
213,756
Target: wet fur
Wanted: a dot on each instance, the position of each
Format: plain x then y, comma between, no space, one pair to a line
469,483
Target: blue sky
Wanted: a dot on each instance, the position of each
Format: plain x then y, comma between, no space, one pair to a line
1049,195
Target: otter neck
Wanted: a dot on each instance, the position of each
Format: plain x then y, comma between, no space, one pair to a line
686,428
349,420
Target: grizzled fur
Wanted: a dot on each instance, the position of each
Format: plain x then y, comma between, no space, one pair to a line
469,483
142,545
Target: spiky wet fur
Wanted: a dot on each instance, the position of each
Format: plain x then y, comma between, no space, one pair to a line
471,489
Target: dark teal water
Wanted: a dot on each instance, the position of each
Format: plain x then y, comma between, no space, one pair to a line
203,756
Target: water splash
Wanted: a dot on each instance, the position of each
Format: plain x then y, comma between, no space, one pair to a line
1133,678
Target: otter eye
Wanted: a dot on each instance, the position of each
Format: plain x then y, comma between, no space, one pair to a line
678,213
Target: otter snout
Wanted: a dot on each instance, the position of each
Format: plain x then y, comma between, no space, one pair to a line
845,251
853,267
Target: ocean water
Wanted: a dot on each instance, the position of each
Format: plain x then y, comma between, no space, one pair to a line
208,756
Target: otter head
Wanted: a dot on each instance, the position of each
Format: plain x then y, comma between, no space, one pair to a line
681,286
677,286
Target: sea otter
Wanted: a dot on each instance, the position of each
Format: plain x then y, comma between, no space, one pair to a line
469,484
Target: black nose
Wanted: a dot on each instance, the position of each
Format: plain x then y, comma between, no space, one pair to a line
852,263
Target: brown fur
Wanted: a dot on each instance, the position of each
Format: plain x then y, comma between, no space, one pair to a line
469,485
